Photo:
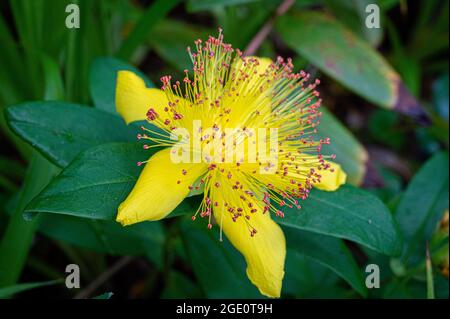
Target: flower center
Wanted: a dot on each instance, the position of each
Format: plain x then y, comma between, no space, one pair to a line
251,123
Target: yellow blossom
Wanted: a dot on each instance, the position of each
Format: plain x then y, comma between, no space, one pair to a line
254,98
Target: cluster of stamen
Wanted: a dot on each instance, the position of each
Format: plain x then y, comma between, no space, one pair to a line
230,90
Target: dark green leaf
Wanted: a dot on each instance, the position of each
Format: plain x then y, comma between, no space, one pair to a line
18,236
143,239
170,39
328,251
349,152
440,96
304,276
422,205
54,87
15,289
336,51
102,81
106,295
353,14
385,128
219,267
155,12
96,182
348,213
201,5
61,130
180,286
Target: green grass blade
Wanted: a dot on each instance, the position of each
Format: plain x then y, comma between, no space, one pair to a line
157,11
19,233
15,289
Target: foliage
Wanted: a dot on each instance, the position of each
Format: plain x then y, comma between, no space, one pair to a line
68,159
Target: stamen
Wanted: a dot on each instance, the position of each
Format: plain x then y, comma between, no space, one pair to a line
228,90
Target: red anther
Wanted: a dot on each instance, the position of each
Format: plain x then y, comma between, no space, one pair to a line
146,147
177,116
209,226
151,114
193,218
139,163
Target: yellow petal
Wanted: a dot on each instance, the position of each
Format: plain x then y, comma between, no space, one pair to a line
134,99
264,63
331,178
161,186
264,253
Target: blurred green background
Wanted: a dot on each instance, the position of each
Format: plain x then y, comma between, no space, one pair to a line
386,109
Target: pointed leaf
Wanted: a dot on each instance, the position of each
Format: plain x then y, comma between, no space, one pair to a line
102,81
339,53
348,213
60,130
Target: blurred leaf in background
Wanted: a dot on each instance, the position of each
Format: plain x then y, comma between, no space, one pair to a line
67,159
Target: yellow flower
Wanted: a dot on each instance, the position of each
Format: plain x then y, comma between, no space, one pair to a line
250,97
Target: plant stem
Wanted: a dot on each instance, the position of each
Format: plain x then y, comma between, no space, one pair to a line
262,34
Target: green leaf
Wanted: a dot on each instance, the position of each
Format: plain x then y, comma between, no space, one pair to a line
349,152
12,168
385,128
440,96
82,46
336,51
155,12
202,5
348,213
61,130
15,289
104,236
102,81
353,14
329,252
106,295
54,87
180,286
11,73
170,39
96,182
219,267
306,278
422,206
253,15
18,236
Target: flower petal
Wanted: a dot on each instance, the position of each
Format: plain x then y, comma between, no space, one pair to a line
134,99
332,178
264,253
161,186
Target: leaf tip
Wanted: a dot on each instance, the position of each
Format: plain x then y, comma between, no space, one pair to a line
406,104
